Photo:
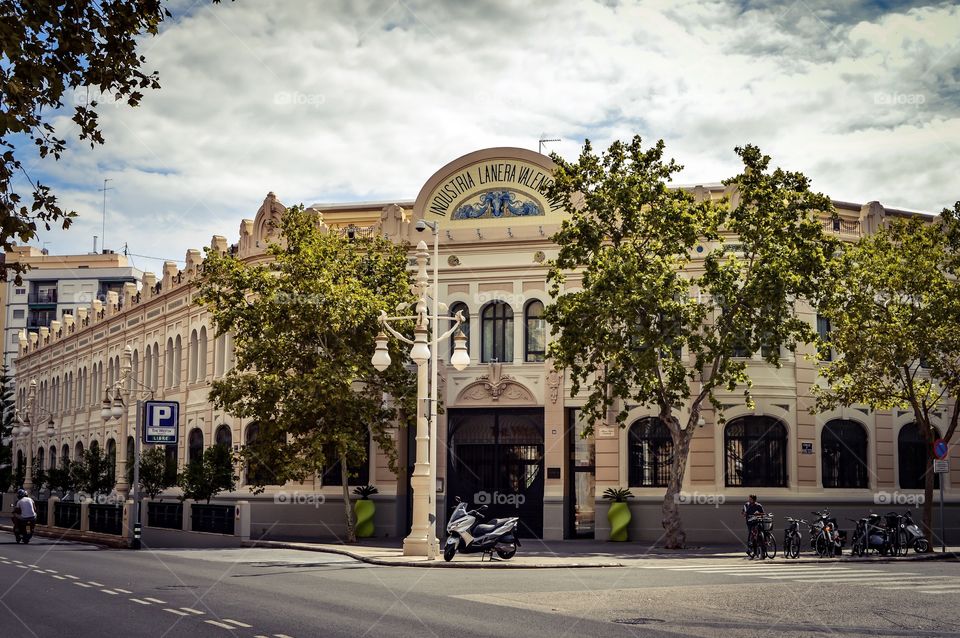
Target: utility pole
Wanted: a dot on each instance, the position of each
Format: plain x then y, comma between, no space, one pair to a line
103,232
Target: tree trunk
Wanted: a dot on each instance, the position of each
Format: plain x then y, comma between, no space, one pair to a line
929,477
673,534
347,508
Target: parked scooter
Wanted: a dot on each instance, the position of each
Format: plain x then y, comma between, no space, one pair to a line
906,534
465,534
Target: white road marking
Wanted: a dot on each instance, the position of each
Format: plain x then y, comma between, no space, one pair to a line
71,577
59,577
139,602
816,577
282,636
35,566
95,583
52,571
176,611
192,611
16,561
23,567
155,600
123,591
940,591
219,624
237,623
82,585
110,591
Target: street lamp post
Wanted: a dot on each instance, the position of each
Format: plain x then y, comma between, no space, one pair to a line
25,429
422,540
116,400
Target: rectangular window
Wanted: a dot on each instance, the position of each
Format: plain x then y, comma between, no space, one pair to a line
21,291
18,314
823,329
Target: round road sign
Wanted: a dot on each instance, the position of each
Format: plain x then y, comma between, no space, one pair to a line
940,449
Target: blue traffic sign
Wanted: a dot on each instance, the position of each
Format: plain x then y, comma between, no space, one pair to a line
940,449
162,423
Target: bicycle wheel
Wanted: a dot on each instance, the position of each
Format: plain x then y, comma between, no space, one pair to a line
902,543
821,546
770,543
794,546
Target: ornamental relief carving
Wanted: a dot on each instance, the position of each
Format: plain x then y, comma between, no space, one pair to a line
495,386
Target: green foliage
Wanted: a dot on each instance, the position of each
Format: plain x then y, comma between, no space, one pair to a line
365,491
658,320
894,323
62,478
92,472
7,421
209,475
304,326
39,478
617,494
154,474
58,55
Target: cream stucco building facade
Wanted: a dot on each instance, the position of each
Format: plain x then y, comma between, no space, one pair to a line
509,426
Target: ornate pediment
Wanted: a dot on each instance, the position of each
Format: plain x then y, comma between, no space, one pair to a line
494,386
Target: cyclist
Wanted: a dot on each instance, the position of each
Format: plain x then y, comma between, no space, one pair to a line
751,509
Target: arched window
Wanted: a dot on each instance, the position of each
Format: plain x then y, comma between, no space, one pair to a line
134,370
756,452
220,364
912,458
359,472
651,453
202,355
171,463
65,454
497,333
254,469
148,368
534,332
224,436
78,451
169,363
843,454
177,361
155,373
112,459
53,457
38,463
464,327
195,446
194,342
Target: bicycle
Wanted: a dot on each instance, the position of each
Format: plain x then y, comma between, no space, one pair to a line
792,538
761,542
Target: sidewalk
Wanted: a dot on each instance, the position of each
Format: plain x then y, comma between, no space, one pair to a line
538,554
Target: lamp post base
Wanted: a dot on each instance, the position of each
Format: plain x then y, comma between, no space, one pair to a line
420,546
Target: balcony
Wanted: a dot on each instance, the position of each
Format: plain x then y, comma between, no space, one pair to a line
42,297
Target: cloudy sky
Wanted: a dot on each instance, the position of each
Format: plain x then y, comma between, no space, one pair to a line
323,101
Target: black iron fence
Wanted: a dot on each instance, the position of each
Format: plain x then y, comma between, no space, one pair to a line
106,519
217,519
67,515
41,507
167,515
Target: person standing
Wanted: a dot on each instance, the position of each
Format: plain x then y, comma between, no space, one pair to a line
751,509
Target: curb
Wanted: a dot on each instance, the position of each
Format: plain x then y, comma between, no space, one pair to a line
73,536
435,564
507,565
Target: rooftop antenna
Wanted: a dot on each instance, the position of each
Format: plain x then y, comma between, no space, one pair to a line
103,233
543,141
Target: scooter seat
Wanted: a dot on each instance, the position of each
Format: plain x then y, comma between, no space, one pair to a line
485,528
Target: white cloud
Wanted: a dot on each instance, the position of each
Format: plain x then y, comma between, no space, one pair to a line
364,100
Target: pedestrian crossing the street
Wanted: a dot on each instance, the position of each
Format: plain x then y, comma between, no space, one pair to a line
866,576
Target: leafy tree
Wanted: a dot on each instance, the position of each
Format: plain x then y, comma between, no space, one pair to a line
304,326
212,473
57,55
154,475
8,405
40,478
894,323
658,323
62,477
92,472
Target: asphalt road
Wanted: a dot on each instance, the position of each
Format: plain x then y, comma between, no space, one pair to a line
64,589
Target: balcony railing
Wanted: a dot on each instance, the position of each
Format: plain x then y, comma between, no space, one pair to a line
42,296
842,226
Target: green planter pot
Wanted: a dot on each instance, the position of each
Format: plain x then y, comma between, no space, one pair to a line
364,510
619,517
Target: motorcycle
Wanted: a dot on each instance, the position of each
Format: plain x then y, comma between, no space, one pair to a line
908,533
825,535
872,533
467,535
23,529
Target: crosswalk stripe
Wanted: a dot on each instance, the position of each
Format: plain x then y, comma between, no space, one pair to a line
139,602
59,577
219,624
123,591
176,611
237,623
820,577
155,600
95,583
110,591
941,591
193,611
82,585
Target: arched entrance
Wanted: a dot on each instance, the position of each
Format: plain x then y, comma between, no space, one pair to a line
496,459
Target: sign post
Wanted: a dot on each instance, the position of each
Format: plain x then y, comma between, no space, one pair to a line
941,465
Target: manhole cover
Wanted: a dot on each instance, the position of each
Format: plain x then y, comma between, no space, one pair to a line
637,621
